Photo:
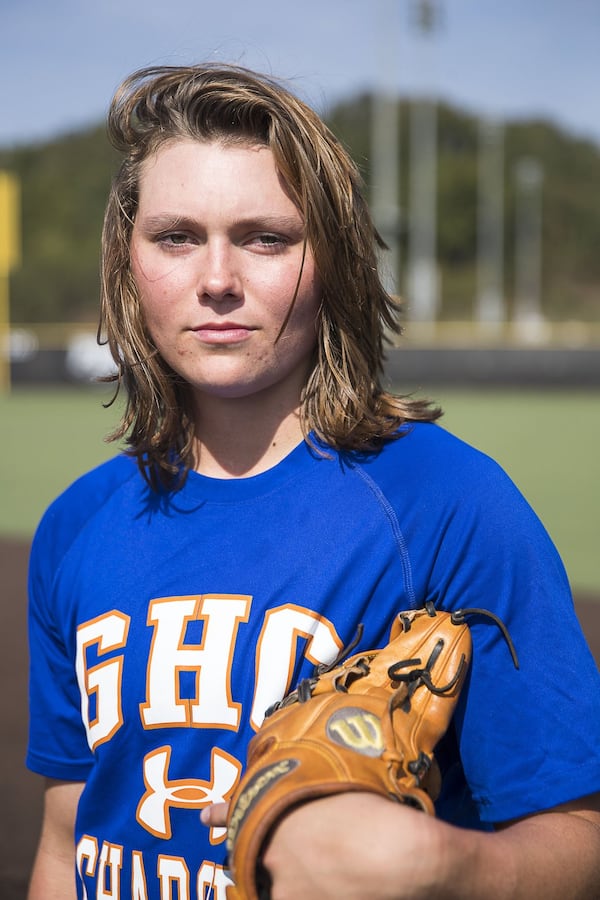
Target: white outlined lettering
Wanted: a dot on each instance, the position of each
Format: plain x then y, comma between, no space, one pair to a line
103,681
173,873
276,652
108,884
209,660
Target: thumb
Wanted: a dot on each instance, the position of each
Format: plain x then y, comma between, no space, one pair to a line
215,815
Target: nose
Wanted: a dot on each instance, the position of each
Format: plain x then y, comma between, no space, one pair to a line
218,276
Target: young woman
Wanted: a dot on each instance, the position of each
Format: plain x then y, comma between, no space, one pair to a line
273,496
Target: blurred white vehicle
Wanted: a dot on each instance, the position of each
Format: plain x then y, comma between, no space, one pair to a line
87,360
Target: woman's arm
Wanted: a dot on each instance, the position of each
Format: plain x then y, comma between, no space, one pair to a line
53,875
361,845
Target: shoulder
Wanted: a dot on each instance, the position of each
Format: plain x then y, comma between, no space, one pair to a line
74,507
430,442
427,458
451,501
91,490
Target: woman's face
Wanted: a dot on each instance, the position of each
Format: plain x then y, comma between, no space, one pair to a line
217,255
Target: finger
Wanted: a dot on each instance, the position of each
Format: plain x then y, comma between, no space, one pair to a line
215,815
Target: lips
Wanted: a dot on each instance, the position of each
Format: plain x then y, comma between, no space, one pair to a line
223,333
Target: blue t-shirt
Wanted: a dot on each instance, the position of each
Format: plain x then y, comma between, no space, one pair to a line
164,624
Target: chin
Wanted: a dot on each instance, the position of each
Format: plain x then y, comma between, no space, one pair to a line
228,391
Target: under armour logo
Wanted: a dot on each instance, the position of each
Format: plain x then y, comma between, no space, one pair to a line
153,812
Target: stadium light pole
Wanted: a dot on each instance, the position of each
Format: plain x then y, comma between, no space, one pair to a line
385,143
490,306
422,276
9,259
529,321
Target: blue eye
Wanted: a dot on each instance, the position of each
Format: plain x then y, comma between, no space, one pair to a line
175,238
270,240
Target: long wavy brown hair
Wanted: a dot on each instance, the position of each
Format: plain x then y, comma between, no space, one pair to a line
343,403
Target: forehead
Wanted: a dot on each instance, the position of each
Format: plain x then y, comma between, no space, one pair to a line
190,152
233,170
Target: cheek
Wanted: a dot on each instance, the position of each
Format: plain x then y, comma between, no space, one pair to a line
158,291
153,273
309,297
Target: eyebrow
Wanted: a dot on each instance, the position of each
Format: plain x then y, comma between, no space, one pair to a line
165,221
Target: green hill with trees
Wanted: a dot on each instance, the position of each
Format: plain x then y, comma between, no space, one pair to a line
64,185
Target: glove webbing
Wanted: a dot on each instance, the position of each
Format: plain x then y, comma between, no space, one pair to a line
413,678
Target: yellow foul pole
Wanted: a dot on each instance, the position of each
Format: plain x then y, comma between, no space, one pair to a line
10,254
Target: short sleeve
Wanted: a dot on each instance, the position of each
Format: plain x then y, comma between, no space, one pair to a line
528,738
57,741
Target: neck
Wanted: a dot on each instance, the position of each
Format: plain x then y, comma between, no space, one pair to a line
236,438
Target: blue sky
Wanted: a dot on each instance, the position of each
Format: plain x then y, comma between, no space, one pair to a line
60,60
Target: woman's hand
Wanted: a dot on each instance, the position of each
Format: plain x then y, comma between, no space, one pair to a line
215,816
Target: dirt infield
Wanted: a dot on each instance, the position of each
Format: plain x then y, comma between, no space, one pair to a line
21,791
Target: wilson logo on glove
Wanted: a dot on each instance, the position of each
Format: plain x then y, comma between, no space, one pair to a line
356,729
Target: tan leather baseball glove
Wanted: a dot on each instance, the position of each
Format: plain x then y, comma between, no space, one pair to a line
368,723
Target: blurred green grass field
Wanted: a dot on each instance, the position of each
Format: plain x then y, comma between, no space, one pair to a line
548,441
